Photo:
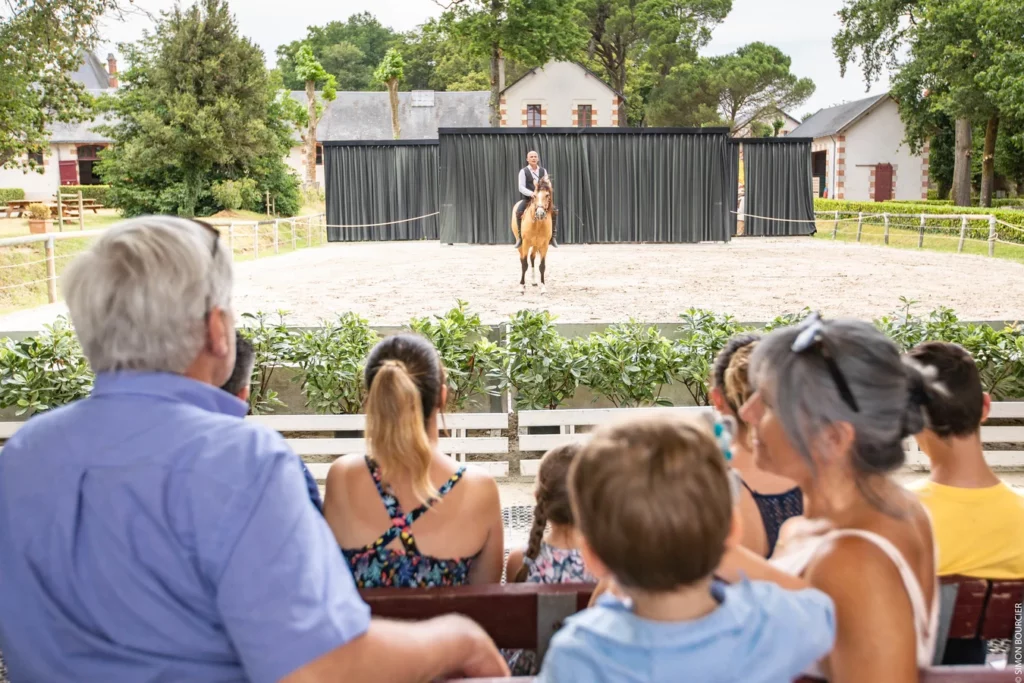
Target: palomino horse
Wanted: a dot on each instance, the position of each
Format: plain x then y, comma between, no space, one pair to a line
536,233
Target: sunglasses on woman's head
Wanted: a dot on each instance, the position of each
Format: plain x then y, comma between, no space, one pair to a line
812,338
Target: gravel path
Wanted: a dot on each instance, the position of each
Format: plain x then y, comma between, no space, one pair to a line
754,279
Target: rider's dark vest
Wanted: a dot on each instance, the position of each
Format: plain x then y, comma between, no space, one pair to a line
542,172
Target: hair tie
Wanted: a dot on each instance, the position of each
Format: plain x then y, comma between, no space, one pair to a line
723,428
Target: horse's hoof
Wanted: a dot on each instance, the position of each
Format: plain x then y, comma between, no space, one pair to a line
534,284
543,290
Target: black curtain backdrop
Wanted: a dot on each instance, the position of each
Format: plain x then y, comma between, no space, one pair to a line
611,184
380,182
778,186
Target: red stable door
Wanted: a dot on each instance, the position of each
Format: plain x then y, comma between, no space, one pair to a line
69,173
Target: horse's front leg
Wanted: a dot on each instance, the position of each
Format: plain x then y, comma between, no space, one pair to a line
533,268
522,280
543,263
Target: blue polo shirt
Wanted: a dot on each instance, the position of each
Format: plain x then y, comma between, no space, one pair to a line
148,534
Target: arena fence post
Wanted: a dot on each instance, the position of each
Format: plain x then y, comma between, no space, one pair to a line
231,240
963,234
51,271
81,211
256,240
291,224
60,210
885,217
277,233
920,234
860,224
835,225
991,235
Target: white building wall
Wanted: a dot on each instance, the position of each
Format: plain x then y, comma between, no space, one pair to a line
296,161
40,185
559,87
878,139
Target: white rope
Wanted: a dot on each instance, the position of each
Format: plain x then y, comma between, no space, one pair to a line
1010,225
26,284
380,225
769,218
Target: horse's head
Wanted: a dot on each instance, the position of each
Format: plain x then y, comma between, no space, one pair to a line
542,199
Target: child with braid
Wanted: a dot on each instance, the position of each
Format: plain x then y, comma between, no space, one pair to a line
552,555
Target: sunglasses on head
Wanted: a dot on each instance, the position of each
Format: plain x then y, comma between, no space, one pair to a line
812,338
213,257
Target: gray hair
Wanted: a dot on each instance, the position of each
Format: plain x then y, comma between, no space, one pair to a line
139,296
889,392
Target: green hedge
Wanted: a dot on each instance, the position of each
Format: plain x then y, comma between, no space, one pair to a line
626,364
8,194
976,229
97,192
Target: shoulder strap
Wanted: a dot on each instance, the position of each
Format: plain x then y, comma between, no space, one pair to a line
441,493
387,496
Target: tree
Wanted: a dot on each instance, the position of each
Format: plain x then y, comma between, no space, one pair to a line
437,59
626,35
349,50
530,32
389,72
312,72
196,107
42,44
690,96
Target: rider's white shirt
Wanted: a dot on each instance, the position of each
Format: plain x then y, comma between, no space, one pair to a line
522,180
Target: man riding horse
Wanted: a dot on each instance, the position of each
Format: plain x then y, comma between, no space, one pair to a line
528,177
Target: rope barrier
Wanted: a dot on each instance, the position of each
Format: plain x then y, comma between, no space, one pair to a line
26,284
380,225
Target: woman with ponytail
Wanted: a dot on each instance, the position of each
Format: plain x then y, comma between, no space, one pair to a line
551,554
452,533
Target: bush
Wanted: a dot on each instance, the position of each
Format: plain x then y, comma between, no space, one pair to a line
976,229
544,368
234,194
704,334
39,212
628,364
98,192
43,372
274,346
9,194
473,361
332,358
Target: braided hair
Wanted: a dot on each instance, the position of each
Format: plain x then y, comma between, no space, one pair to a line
552,499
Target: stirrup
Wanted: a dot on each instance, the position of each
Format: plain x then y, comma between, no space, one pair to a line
518,243
553,242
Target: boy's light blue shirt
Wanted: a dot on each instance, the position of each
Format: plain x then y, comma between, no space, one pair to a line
760,633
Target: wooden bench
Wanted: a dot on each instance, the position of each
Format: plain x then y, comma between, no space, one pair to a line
977,608
936,674
303,436
573,425
516,616
18,207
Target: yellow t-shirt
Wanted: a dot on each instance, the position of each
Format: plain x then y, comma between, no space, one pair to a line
980,532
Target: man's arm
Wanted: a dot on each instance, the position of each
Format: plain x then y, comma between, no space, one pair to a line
398,651
522,183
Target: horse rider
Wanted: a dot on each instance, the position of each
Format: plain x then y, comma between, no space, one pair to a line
528,177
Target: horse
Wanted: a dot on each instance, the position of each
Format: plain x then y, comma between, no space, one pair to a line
536,233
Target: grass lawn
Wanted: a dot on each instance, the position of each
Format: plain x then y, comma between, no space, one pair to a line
23,267
905,238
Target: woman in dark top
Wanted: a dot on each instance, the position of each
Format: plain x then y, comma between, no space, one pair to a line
767,500
405,514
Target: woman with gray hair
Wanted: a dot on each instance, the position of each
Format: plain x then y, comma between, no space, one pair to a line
147,533
833,403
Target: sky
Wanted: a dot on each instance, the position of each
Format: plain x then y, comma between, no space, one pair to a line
803,29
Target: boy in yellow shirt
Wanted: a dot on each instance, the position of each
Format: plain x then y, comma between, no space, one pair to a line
978,520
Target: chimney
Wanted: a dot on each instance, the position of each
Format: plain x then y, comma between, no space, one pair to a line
111,70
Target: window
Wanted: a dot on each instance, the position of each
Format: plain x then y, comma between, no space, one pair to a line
583,115
533,119
35,158
89,152
319,155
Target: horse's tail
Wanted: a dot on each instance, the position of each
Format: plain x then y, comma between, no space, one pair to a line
515,226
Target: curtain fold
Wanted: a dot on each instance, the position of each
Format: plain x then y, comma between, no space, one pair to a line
646,185
368,184
778,187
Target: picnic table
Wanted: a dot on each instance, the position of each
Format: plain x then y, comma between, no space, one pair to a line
18,207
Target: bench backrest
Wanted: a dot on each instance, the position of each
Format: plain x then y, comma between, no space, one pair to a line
938,674
983,608
516,616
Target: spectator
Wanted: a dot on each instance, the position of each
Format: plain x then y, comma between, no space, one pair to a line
552,554
653,503
147,533
978,520
454,534
767,500
240,386
834,403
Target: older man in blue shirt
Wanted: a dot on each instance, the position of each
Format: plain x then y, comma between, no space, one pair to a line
148,534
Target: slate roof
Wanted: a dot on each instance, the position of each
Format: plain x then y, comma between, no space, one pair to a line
92,73
81,132
835,119
367,115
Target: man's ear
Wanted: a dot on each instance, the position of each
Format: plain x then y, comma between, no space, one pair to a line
986,406
245,393
593,564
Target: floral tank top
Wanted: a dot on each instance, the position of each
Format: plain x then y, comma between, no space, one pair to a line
378,566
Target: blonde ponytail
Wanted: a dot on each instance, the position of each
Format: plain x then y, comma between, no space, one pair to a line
395,428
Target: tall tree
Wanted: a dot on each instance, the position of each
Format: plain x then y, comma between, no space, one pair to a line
196,107
529,32
349,50
313,73
390,73
690,96
41,46
659,34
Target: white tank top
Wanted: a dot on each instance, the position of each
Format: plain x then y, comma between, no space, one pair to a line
926,617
